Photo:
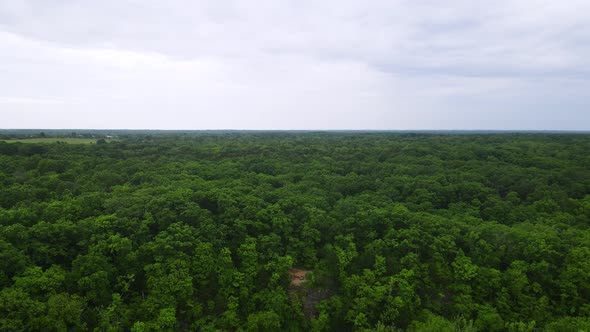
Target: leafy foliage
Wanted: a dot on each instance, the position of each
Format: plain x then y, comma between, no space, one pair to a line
184,231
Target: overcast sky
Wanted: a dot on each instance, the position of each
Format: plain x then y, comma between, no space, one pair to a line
387,64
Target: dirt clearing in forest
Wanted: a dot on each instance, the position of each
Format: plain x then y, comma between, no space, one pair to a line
298,277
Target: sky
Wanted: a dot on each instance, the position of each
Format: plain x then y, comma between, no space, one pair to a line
305,64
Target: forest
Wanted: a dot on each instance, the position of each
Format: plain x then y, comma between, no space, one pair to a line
201,232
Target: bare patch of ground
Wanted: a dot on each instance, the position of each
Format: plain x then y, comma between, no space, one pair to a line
298,277
310,296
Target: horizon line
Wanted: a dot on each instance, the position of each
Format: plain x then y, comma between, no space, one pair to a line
301,130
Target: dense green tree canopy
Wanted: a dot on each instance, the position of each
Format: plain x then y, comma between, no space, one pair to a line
195,231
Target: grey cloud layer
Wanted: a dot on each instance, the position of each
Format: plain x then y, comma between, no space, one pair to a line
295,64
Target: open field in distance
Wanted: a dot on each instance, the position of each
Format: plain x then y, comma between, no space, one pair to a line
53,140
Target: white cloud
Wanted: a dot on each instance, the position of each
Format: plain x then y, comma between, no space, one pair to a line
295,64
